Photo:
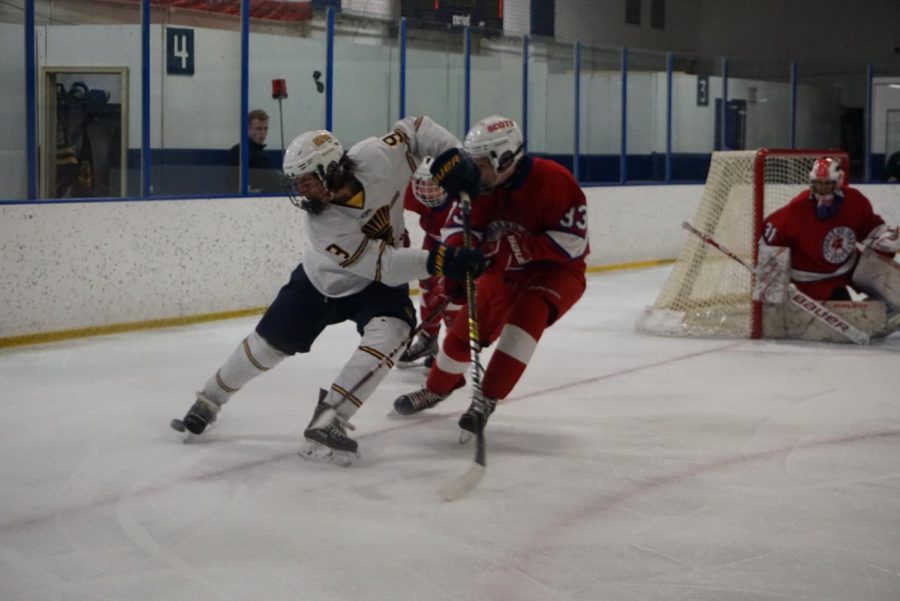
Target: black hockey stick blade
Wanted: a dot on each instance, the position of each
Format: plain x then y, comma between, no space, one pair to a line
456,489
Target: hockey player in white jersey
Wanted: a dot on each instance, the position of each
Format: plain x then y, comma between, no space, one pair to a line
354,267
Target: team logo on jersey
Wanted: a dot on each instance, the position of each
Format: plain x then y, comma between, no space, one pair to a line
839,244
499,228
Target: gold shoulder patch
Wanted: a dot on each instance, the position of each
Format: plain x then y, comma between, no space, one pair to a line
357,201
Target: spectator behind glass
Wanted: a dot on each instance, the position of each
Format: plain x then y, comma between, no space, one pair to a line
262,174
892,168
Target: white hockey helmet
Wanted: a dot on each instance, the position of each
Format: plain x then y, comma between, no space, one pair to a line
316,151
498,139
826,170
424,187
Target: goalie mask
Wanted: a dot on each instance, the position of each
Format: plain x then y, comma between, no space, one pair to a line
424,187
825,181
311,161
495,141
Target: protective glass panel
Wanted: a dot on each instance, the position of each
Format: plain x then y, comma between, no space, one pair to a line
287,83
763,91
601,114
551,102
363,96
13,145
435,72
831,106
886,129
696,84
646,116
195,115
496,76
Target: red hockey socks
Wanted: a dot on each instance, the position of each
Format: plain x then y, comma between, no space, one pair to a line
516,345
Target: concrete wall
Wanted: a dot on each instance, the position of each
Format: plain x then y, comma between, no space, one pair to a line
81,265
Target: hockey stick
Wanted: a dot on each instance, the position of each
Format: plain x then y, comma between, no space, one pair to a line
460,486
178,424
802,301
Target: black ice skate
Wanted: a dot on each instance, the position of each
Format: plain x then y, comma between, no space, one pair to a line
412,403
201,414
476,416
408,404
327,435
421,351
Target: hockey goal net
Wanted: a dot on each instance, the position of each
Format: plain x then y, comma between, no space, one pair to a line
709,294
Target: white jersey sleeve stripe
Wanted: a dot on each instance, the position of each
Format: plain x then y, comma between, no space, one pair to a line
571,244
799,275
447,232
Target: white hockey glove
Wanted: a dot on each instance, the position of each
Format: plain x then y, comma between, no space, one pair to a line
884,239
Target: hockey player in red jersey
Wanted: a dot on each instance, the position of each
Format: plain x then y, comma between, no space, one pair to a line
529,216
427,199
821,227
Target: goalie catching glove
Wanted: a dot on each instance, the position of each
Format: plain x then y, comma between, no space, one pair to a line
454,262
884,239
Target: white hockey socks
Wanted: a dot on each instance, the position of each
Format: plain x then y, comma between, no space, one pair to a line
252,357
381,336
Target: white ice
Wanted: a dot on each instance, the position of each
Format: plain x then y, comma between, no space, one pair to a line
623,467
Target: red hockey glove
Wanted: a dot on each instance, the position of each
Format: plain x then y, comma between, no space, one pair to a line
433,294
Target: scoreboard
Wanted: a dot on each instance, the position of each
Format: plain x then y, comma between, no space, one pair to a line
454,13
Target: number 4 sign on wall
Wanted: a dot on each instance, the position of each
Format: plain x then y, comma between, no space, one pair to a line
703,90
179,51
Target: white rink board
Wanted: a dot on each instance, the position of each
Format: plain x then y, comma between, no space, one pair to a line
80,265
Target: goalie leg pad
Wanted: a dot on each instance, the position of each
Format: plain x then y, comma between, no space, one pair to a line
879,277
789,321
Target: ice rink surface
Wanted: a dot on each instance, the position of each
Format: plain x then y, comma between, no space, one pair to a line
623,467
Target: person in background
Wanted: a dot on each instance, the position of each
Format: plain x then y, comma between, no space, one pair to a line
892,168
264,177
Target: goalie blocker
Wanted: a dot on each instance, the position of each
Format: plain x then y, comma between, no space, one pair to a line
786,317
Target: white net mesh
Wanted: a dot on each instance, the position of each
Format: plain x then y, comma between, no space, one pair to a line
709,294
